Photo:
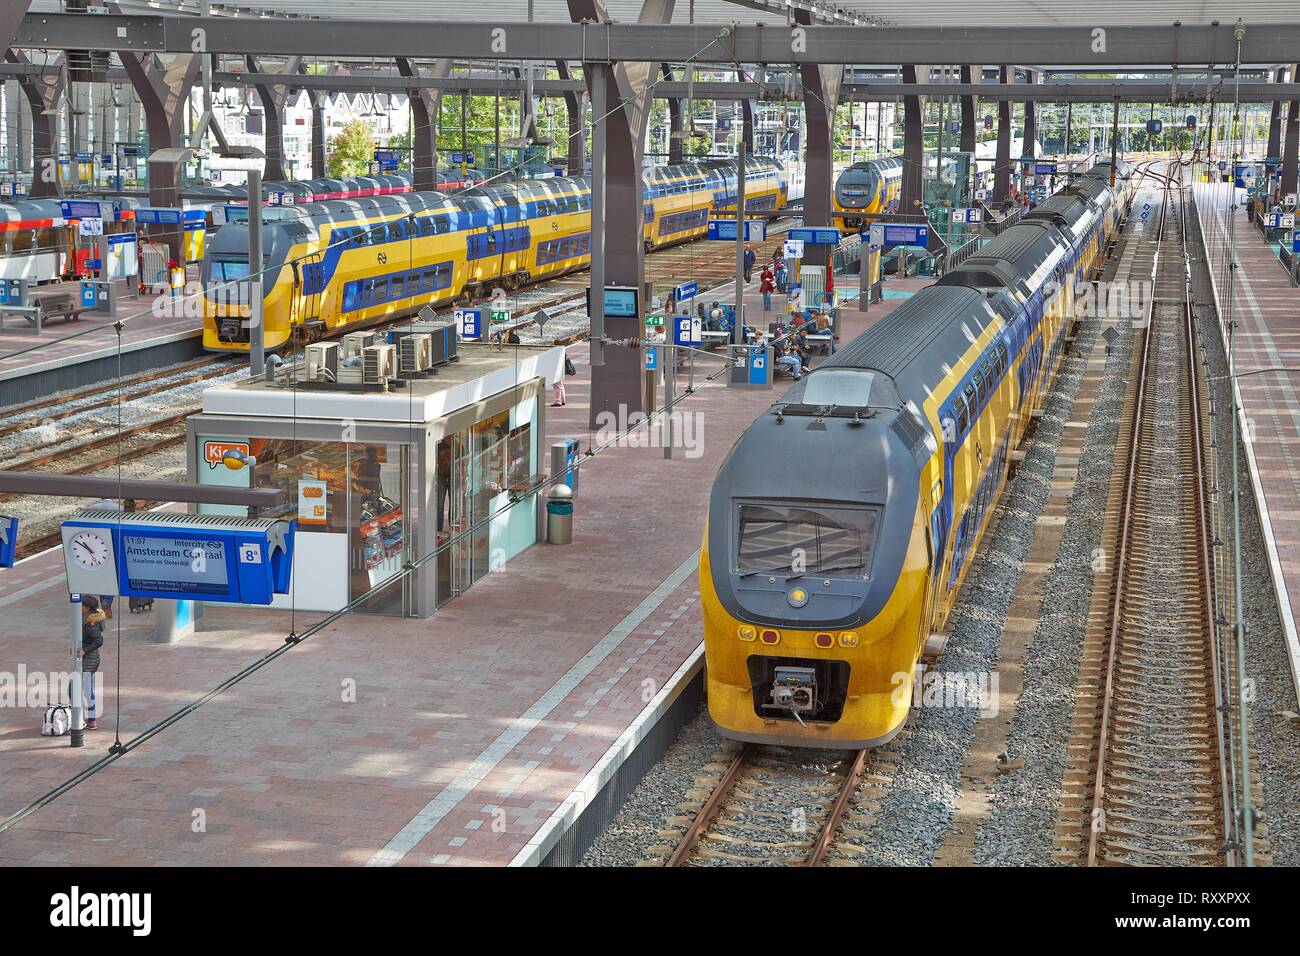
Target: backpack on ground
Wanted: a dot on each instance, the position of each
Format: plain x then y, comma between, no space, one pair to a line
58,721
569,367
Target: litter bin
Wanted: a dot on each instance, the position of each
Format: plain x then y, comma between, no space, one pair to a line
559,516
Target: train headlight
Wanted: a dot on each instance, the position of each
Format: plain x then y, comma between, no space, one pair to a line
747,633
848,639
771,637
798,597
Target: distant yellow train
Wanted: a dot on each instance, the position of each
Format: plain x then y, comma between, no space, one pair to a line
843,522
332,266
867,189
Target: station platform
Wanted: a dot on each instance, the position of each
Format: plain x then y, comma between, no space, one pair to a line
1265,305
474,737
71,354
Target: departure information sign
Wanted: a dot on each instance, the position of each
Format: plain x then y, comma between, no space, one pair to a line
182,565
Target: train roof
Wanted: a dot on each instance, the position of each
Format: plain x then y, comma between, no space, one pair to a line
1013,260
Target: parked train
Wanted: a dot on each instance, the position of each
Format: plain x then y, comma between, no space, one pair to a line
38,244
843,522
867,188
336,265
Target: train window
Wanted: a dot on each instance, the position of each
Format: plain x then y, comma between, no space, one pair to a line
831,539
963,418
361,237
982,384
398,287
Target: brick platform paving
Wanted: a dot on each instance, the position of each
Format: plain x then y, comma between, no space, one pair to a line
1267,309
466,732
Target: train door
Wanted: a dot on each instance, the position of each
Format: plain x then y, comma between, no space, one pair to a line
511,217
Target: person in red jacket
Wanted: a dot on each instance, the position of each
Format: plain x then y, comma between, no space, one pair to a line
767,285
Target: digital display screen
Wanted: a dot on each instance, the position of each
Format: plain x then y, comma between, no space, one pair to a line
621,304
177,564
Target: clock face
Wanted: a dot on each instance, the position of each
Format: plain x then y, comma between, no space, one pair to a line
89,549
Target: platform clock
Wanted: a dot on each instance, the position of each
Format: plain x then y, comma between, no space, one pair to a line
90,549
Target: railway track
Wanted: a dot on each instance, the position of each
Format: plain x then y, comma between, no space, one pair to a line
764,809
1147,779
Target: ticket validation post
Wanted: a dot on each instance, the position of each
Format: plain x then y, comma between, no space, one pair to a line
171,557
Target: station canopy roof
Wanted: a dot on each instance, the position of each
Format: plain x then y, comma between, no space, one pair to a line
1081,13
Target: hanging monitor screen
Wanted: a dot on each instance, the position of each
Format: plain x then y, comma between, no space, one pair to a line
621,303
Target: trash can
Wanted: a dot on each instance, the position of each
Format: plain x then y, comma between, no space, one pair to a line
559,516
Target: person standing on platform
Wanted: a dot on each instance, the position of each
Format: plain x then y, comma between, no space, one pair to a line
92,639
767,285
749,262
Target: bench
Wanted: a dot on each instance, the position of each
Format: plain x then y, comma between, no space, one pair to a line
32,313
62,303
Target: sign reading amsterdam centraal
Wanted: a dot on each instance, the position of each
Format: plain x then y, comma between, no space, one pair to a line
178,556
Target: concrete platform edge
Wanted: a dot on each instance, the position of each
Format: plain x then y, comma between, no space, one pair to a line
597,798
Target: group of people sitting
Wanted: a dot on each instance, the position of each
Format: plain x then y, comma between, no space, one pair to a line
793,353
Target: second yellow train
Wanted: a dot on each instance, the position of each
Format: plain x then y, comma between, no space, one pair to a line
338,265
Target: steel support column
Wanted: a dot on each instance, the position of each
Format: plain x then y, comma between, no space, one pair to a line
317,99
1290,147
12,13
617,381
574,104
968,114
1275,125
676,150
913,186
424,107
1002,159
821,94
163,91
43,97
1030,132
273,99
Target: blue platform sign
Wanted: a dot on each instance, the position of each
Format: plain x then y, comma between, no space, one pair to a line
725,230
688,330
186,558
651,358
90,209
8,540
888,235
1295,242
1044,169
815,235
687,290
470,322
159,217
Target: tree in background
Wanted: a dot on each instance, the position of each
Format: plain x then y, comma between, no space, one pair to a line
351,151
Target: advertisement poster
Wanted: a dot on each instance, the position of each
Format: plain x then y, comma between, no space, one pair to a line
312,502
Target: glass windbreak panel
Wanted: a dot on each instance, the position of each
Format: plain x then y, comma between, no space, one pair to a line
376,478
312,476
819,540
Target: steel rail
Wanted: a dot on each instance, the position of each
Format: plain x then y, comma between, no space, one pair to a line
709,811
838,809
1122,560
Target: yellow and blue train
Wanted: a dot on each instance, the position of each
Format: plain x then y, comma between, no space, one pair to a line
868,188
844,520
337,265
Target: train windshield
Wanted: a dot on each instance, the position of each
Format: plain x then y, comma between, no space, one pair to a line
796,538
229,269
849,386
